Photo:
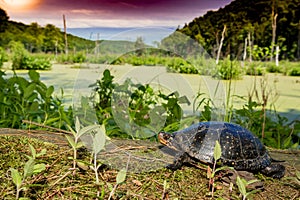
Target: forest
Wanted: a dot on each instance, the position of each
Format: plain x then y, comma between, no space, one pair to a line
260,24
38,39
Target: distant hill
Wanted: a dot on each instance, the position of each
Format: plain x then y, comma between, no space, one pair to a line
50,38
243,18
36,38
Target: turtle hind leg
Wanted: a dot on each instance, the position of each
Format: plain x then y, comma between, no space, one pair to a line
179,160
274,171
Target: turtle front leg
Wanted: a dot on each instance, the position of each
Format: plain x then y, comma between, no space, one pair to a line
274,171
179,160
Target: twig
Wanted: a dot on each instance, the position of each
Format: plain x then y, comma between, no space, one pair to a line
45,126
61,178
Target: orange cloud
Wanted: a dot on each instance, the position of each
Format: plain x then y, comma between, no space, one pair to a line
19,5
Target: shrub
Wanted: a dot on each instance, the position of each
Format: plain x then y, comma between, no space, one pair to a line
272,68
134,104
79,57
22,99
3,56
21,59
228,69
295,71
31,62
255,69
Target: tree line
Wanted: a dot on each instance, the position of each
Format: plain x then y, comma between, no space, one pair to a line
38,39
256,27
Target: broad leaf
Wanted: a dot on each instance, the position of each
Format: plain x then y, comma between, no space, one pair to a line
49,91
217,151
77,126
33,151
71,129
28,168
29,90
39,168
79,145
87,129
71,141
99,139
241,185
16,177
35,76
41,153
121,176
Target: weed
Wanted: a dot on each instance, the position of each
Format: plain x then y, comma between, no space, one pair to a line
32,100
212,172
30,168
242,185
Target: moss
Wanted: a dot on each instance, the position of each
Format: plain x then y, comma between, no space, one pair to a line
57,181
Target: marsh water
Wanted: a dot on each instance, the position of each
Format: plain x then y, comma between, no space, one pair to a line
283,91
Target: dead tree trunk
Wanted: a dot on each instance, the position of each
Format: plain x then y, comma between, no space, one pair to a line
221,44
274,17
250,47
66,38
298,47
277,56
245,50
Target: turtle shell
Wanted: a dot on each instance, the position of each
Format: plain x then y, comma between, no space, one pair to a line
240,148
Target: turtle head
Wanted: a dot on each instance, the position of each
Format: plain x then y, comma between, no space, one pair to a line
166,139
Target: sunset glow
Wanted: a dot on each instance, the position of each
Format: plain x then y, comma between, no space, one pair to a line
19,4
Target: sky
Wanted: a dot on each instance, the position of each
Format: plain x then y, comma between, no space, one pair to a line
109,13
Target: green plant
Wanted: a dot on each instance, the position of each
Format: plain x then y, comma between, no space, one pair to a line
32,100
242,185
30,168
77,133
272,68
295,71
103,92
255,69
212,172
134,107
3,56
121,177
228,69
99,138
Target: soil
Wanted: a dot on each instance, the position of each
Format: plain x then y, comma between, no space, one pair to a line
146,177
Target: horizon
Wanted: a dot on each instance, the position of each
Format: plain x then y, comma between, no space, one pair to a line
150,35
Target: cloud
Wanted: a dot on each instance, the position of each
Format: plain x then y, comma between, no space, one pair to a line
113,13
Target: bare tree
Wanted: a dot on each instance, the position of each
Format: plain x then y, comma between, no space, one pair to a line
66,38
250,47
245,50
274,24
221,44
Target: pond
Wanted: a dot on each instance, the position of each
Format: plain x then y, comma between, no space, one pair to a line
283,91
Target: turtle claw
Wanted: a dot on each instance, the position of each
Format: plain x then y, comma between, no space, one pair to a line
274,171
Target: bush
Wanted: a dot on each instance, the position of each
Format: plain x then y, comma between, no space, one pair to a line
79,57
295,71
3,56
135,105
228,69
32,100
31,62
255,69
21,59
272,68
